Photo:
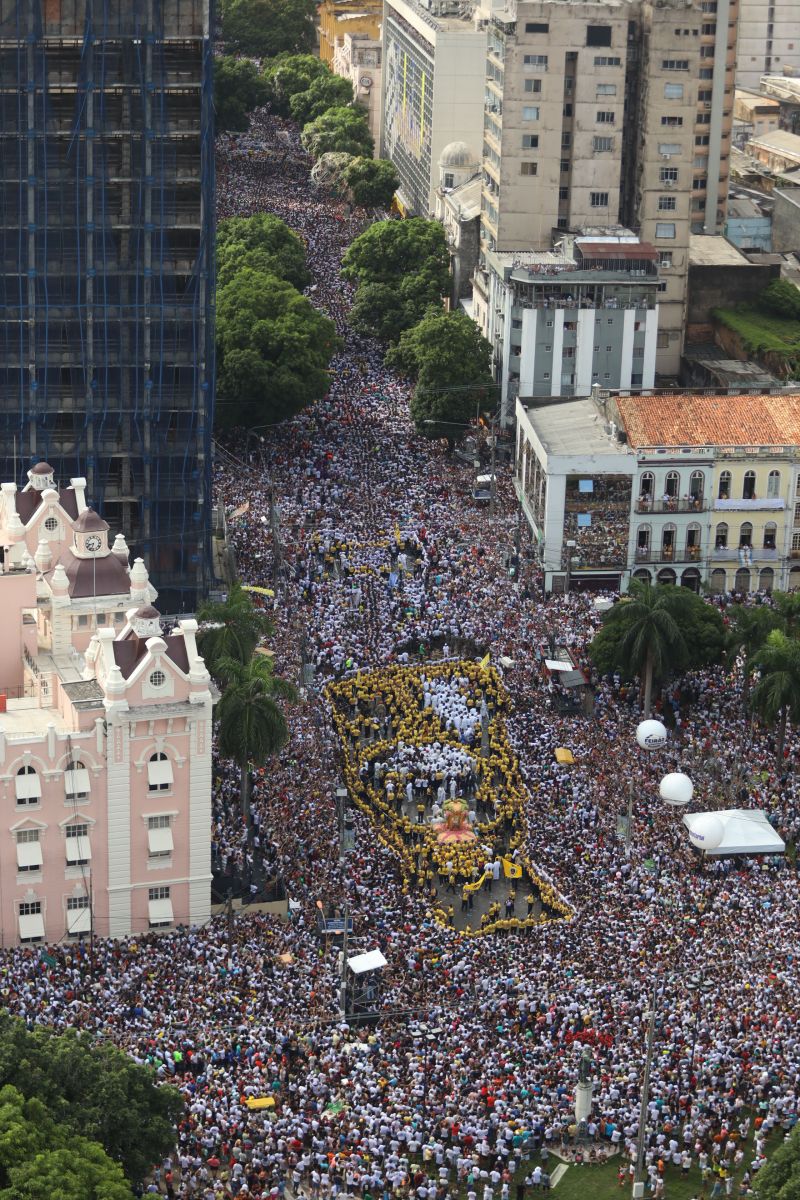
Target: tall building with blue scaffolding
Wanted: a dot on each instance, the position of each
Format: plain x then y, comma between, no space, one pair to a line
107,253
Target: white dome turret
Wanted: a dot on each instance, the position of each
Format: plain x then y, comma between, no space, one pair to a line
457,164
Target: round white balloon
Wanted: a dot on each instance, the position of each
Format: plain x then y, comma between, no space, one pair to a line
676,788
651,735
707,831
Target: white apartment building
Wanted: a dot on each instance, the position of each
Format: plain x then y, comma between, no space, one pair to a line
769,40
434,62
566,320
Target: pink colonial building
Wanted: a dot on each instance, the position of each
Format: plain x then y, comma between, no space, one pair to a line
105,732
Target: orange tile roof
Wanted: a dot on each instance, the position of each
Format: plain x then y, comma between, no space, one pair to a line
686,420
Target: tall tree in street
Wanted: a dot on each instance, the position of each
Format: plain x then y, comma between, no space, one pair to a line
266,28
338,130
252,725
372,182
273,348
449,358
776,695
324,92
232,628
779,1178
749,629
402,269
290,74
263,242
656,630
238,88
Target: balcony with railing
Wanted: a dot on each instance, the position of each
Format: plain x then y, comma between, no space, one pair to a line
689,504
667,554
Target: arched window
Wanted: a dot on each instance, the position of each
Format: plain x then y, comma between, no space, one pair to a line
724,486
746,534
159,773
643,541
672,485
721,536
76,781
646,487
693,541
718,580
697,485
766,580
667,575
749,486
770,535
28,786
774,484
668,537
742,581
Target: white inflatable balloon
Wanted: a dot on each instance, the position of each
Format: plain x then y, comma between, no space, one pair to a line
651,735
707,831
676,788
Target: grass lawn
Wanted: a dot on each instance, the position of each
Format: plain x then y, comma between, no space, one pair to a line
600,1183
763,332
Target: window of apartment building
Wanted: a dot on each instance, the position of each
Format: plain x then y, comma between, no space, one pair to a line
665,229
76,781
662,339
533,85
749,485
530,112
78,848
667,149
159,773
602,145
699,204
29,850
704,95
537,27
662,285
79,916
28,786
598,199
528,168
516,322
564,165
567,111
673,91
449,179
724,492
702,139
675,64
561,223
538,62
708,6
159,836
700,183
566,141
530,141
706,52
160,907
709,28
605,118
706,73
563,193
665,258
745,534
703,119
668,174
667,203
602,60
598,35
674,122
721,536
774,484
31,921
770,535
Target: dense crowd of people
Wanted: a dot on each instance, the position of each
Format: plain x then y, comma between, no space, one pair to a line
468,1080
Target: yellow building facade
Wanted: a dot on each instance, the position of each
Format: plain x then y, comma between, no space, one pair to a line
339,17
752,519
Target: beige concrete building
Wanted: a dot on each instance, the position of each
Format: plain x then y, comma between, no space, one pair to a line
769,40
357,57
600,114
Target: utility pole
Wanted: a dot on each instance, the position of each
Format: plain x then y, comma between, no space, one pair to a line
638,1180
492,465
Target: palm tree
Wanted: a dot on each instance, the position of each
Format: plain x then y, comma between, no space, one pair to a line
788,606
648,635
776,696
749,630
232,629
252,725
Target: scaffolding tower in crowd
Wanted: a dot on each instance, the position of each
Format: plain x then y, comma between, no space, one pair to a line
106,244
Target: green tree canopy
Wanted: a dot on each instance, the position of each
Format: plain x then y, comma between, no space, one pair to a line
232,629
779,1178
274,349
781,298
263,242
252,725
267,28
372,182
750,625
339,129
776,696
450,359
655,630
324,92
386,310
40,1159
94,1091
238,89
388,251
289,74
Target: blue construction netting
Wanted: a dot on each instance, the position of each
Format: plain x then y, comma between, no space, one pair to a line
107,248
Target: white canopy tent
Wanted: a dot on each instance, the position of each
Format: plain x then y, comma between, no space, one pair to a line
373,960
745,831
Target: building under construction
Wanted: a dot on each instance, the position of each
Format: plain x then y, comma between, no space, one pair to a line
106,237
